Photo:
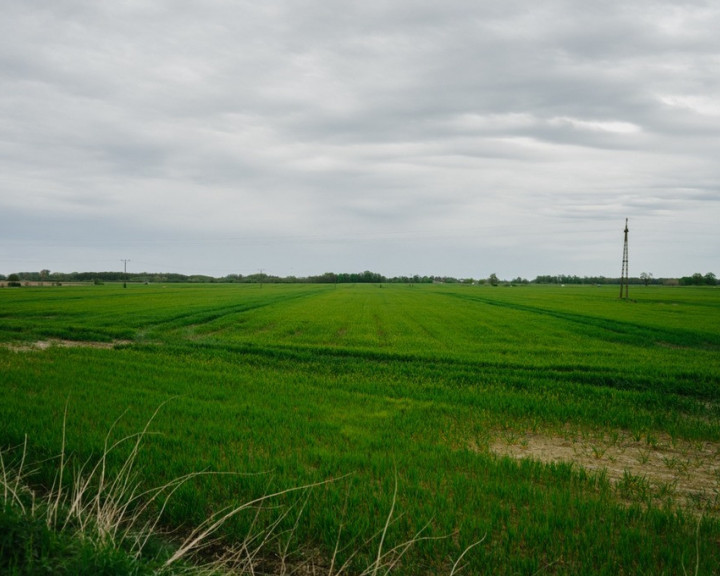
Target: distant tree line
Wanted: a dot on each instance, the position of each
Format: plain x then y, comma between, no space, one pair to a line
698,279
366,277
644,278
63,277
572,279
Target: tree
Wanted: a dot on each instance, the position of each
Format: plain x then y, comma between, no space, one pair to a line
14,280
326,278
493,279
710,279
646,278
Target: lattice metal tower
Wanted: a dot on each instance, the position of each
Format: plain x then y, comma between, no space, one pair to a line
624,278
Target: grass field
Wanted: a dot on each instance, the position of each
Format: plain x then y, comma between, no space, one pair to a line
565,430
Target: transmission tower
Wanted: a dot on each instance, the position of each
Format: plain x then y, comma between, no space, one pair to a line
624,279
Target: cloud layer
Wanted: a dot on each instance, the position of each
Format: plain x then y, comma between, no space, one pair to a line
455,138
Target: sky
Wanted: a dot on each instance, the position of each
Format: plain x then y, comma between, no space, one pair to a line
452,138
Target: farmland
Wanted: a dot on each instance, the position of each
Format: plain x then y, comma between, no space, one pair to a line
559,429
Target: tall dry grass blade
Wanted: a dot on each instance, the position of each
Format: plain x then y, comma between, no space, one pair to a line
56,491
141,534
340,530
103,465
255,542
261,540
76,509
242,558
212,524
19,475
456,566
121,492
379,562
11,481
114,498
385,529
285,552
392,557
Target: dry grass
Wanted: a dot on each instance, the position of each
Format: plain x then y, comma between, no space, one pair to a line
113,511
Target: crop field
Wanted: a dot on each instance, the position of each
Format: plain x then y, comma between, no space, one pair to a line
553,430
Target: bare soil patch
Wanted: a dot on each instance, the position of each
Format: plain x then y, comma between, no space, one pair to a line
657,468
59,343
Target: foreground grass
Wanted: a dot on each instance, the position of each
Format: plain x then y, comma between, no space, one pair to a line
311,383
92,522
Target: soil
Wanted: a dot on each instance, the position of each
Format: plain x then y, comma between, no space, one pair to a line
685,473
45,344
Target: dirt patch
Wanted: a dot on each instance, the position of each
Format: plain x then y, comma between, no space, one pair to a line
657,468
58,343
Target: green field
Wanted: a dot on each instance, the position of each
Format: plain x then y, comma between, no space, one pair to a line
567,430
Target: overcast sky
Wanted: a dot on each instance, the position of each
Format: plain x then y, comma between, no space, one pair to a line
451,137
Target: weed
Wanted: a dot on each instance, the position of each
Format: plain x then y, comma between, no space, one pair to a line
599,451
634,487
666,490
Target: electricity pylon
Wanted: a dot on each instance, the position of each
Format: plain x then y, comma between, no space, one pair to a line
624,279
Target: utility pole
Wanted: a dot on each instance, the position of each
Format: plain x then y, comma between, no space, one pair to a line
624,278
125,261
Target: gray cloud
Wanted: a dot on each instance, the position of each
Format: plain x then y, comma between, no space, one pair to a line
452,138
